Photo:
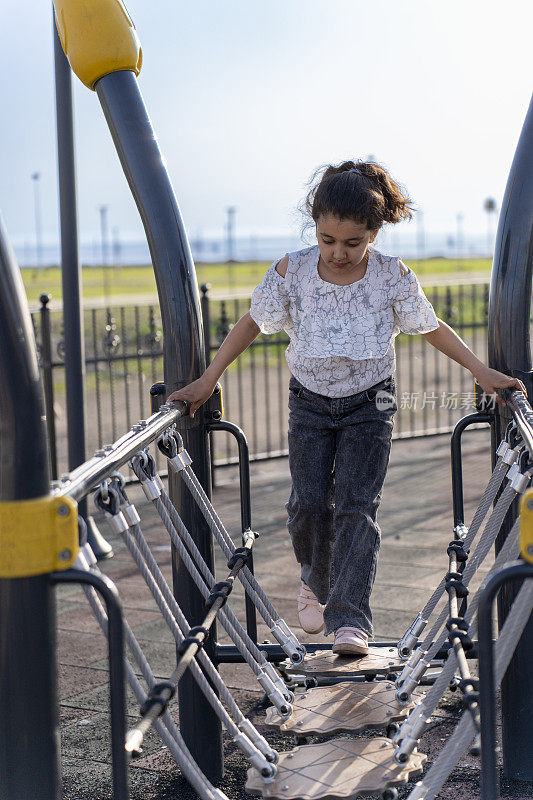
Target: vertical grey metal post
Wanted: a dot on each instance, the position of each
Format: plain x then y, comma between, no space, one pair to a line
71,282
29,735
510,352
184,360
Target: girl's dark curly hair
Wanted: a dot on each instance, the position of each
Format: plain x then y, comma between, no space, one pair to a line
358,190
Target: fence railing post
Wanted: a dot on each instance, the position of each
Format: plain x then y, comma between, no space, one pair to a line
206,319
48,382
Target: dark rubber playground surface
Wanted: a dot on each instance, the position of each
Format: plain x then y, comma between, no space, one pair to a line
416,524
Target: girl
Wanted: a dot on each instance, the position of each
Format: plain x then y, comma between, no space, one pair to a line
342,304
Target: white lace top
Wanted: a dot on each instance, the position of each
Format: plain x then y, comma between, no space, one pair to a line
341,337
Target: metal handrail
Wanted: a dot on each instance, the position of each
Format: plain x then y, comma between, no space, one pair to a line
101,466
522,413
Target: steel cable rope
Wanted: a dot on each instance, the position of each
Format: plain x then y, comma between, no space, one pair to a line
278,627
279,695
507,457
165,725
410,732
162,694
237,725
268,678
406,685
449,756
419,660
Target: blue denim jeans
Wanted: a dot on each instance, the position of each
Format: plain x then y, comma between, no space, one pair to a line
338,456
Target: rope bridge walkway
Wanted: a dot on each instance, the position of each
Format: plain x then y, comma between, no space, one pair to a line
393,689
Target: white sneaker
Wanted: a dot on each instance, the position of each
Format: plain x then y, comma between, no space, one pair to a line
310,611
350,641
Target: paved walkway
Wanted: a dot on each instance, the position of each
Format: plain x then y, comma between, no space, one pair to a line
416,524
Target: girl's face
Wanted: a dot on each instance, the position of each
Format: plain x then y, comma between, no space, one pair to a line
342,242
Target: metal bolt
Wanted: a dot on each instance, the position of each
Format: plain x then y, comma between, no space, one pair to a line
63,510
300,723
529,549
284,788
384,744
136,428
530,505
108,447
99,453
389,714
291,755
65,555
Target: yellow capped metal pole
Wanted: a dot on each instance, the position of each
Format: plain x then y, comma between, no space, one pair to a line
98,37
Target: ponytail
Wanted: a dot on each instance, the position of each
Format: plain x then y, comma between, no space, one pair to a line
362,191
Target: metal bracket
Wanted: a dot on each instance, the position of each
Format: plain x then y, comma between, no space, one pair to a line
38,536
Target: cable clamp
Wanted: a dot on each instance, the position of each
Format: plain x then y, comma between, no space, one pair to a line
461,555
191,639
150,488
118,523
513,471
520,482
460,531
502,448
220,590
131,514
239,554
154,697
510,457
461,636
453,580
181,461
248,537
458,622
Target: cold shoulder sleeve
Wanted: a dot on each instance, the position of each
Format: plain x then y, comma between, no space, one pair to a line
270,302
413,313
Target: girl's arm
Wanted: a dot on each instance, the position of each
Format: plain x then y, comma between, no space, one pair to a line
448,342
238,339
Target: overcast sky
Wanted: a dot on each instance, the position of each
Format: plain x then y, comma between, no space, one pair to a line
247,98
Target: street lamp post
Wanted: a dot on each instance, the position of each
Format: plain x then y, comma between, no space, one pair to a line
490,207
105,249
230,233
38,226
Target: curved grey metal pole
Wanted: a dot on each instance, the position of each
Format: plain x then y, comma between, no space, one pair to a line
184,360
29,735
510,352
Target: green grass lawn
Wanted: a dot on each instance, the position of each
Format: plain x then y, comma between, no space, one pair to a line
221,277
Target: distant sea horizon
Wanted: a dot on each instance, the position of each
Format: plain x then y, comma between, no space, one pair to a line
256,248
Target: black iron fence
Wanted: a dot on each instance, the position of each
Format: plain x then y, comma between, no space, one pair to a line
123,358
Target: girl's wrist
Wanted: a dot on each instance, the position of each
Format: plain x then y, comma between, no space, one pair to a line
211,376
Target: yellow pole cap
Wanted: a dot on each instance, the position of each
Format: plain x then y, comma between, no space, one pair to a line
37,536
526,526
98,37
